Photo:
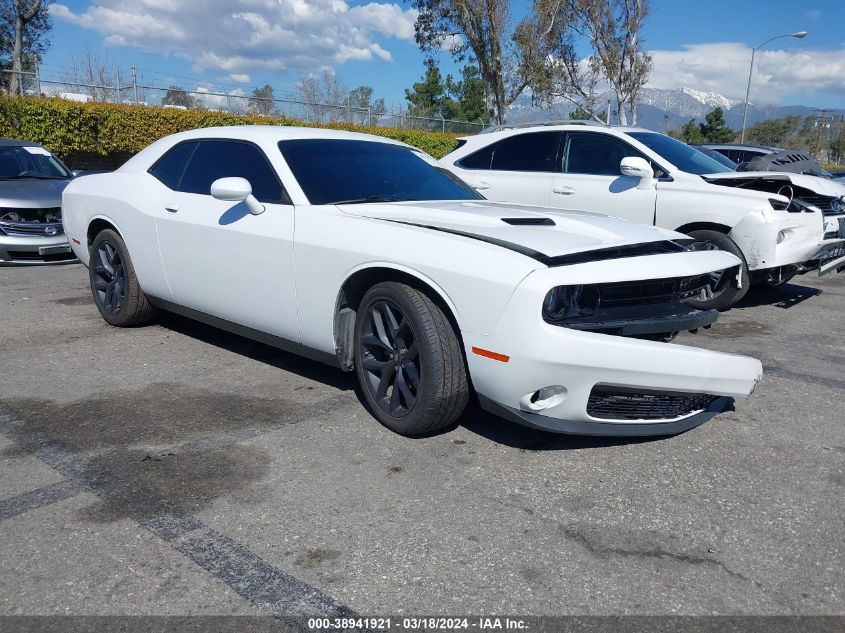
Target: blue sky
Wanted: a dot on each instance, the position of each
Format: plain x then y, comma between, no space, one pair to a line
238,44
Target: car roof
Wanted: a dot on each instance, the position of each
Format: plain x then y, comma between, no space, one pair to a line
13,142
498,131
275,133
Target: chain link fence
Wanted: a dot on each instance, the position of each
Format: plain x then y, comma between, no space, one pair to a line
235,102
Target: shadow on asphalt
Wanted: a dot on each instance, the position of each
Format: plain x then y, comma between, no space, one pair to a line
785,296
287,361
474,418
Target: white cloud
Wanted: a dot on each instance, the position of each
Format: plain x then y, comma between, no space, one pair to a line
239,78
723,68
243,36
813,15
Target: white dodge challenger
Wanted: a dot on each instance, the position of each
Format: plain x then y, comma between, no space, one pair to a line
362,252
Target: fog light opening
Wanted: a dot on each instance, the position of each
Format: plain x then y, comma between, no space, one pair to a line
544,398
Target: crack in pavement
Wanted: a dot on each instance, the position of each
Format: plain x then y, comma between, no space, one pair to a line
656,552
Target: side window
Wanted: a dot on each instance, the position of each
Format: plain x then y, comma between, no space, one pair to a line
215,159
595,153
535,151
478,160
170,167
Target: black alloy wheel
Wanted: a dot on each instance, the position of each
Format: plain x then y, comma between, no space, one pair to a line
409,360
114,286
109,277
390,359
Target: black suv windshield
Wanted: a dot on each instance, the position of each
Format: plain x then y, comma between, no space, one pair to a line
332,171
29,162
681,155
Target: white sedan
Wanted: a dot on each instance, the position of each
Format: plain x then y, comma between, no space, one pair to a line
362,252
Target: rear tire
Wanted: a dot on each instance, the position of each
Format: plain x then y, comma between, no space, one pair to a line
731,294
114,286
408,360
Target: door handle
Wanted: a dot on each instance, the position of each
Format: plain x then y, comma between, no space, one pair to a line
563,190
481,186
172,208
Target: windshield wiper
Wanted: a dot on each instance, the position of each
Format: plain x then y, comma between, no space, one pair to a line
371,199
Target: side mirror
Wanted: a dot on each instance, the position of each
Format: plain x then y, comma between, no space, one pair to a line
76,173
236,190
638,167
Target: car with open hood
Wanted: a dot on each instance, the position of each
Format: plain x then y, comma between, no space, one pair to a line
364,253
778,224
31,183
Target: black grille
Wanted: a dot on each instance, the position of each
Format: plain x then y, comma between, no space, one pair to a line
26,222
613,403
616,295
824,203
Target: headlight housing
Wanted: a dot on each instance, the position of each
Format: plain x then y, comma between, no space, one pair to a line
570,302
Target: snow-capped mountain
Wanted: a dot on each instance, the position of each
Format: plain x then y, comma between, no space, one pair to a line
686,102
662,109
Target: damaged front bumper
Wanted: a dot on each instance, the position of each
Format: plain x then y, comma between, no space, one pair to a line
569,381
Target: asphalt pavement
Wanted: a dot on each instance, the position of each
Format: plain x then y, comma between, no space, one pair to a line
178,470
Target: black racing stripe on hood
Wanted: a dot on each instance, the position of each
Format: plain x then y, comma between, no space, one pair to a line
615,252
517,248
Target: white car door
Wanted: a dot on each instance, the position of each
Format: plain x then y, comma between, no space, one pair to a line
518,168
590,179
220,259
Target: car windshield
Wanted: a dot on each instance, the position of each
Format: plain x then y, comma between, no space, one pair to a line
712,153
332,171
30,162
681,155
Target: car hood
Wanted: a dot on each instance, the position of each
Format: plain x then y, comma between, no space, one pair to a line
562,233
31,193
816,184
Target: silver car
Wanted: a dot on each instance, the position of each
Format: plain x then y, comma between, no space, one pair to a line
31,183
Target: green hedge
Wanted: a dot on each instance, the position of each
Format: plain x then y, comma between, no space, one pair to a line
68,128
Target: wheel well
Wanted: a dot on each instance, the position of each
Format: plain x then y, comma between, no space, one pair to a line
704,226
98,225
353,291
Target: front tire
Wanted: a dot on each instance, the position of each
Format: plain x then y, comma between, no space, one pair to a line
408,360
731,294
115,287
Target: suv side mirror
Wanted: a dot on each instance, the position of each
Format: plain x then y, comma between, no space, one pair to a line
76,173
236,190
638,167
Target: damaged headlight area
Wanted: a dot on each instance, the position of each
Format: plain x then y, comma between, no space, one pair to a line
654,309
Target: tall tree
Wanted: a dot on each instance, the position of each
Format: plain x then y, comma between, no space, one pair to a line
469,93
549,37
427,97
262,100
689,133
613,28
480,29
714,129
323,95
24,34
366,110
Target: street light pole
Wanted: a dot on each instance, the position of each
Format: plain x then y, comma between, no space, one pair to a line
799,35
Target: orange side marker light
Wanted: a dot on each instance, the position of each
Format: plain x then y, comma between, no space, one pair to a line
488,354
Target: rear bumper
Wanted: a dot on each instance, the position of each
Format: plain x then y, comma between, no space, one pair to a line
35,250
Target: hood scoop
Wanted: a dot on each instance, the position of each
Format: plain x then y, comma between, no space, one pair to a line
528,221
